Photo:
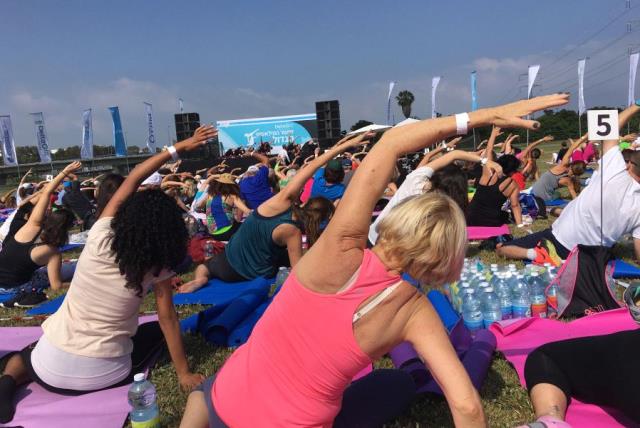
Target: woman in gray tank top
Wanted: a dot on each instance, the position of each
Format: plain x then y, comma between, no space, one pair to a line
565,174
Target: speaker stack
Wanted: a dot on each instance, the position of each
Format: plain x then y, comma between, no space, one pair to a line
328,120
186,125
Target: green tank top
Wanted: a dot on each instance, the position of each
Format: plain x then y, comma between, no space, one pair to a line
251,251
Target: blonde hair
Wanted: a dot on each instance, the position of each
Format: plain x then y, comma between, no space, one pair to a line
427,235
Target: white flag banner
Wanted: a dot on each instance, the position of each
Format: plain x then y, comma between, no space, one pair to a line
633,67
181,104
86,151
581,105
391,86
8,144
434,86
151,139
41,137
533,73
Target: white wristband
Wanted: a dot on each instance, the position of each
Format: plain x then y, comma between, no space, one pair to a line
483,161
173,152
462,123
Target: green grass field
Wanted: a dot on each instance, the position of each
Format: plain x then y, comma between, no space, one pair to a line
505,402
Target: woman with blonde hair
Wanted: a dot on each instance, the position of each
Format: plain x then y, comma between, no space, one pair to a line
344,306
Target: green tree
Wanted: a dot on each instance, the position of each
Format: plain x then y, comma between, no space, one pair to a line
405,99
360,124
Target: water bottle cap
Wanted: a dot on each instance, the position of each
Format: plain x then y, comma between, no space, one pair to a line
534,274
139,377
488,290
282,268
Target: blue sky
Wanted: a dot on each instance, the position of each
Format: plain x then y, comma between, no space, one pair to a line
231,60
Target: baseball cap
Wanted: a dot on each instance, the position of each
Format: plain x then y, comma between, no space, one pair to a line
334,164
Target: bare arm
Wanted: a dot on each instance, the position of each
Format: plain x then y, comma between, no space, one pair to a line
148,167
455,155
260,157
24,177
170,327
239,203
527,150
486,172
53,271
425,332
623,118
282,200
350,224
636,248
514,198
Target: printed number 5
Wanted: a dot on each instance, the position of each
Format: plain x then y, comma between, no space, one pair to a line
602,121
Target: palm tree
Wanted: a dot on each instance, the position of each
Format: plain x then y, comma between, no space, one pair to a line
405,99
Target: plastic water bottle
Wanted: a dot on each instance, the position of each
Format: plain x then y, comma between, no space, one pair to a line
538,298
521,302
552,301
462,292
491,310
144,408
472,311
283,274
503,290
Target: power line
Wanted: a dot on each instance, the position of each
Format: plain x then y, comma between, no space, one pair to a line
620,15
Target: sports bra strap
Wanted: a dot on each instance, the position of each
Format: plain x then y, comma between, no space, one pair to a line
375,302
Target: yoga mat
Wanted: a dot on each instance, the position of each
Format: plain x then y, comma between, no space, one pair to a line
6,296
476,233
217,330
217,292
625,270
518,338
39,408
556,203
442,305
48,307
241,333
70,247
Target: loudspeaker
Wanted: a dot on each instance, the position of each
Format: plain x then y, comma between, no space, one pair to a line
186,124
328,121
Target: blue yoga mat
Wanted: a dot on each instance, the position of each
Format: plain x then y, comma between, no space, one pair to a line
217,330
446,312
48,307
242,332
625,270
217,292
5,297
70,247
556,203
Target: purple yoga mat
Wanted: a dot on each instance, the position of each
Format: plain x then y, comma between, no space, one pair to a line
38,407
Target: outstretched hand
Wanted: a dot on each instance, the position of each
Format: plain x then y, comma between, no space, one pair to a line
199,138
72,167
355,140
451,144
511,115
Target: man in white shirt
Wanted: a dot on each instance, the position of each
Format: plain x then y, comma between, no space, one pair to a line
585,221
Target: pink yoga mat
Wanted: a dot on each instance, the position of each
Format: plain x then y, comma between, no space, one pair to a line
475,233
38,407
518,338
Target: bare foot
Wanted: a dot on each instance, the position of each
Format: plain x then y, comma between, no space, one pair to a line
192,286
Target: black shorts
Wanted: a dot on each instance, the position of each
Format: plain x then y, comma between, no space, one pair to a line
219,267
532,240
147,343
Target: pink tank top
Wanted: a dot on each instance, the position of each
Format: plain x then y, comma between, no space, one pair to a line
301,356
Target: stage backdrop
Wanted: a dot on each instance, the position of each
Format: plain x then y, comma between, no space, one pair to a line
276,131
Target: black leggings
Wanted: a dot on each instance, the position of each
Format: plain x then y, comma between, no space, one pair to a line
600,370
219,267
371,401
147,342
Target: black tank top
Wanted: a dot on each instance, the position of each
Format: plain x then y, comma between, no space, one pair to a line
485,209
16,266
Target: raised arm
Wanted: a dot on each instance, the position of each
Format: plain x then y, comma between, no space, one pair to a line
623,118
527,150
566,159
264,160
282,200
455,155
148,167
24,177
350,223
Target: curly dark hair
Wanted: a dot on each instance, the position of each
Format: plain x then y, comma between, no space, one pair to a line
149,235
55,228
509,164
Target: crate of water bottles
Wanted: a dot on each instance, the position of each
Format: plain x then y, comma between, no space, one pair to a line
486,294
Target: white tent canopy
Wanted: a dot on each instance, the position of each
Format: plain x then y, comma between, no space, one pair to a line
407,121
373,127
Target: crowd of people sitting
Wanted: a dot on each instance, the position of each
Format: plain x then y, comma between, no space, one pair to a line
350,221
